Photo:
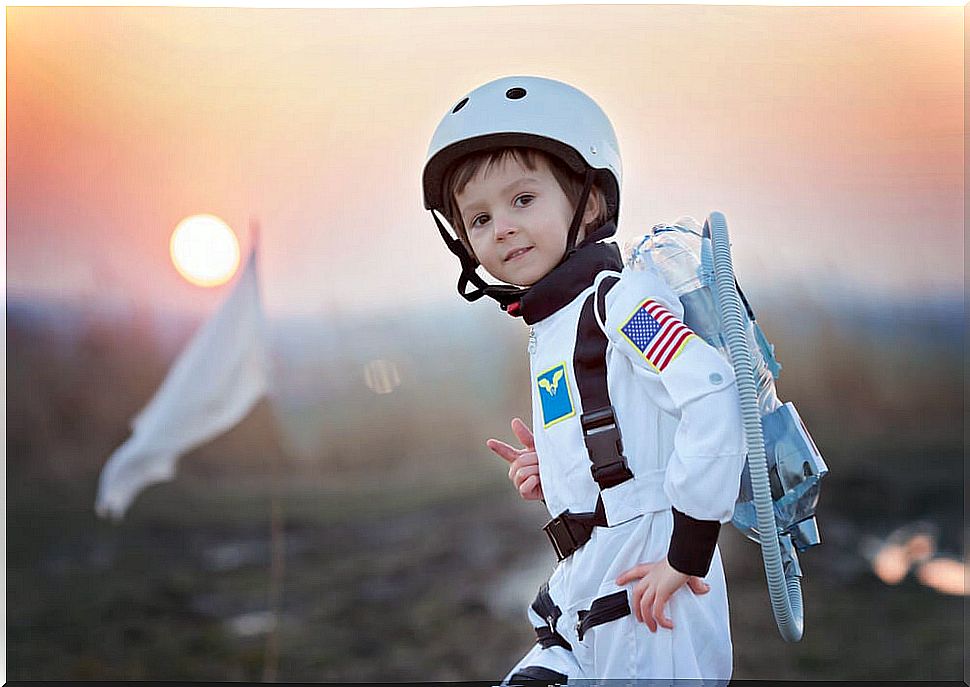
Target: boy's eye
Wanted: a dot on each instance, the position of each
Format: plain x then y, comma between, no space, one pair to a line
479,220
524,199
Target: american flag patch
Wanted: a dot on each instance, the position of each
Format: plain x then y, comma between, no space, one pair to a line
656,333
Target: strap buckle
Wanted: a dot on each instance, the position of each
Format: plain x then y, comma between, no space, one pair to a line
561,536
604,443
569,531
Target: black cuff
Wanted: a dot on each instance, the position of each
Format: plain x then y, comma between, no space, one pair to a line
692,544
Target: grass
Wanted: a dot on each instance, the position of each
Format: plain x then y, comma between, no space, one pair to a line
395,541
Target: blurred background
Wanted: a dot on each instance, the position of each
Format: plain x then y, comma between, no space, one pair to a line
832,139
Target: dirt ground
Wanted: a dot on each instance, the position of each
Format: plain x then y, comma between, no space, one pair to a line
422,585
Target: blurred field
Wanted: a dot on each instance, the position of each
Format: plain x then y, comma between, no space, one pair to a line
408,557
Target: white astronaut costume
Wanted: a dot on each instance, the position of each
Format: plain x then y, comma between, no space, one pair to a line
682,437
664,486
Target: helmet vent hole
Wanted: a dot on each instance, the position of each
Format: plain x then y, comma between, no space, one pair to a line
515,93
461,104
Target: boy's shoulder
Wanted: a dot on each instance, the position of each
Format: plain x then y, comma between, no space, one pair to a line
644,319
636,286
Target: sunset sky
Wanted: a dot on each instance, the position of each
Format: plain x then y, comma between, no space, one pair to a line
832,139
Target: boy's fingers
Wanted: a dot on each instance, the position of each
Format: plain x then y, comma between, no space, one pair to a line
525,460
503,450
634,573
523,434
528,485
697,585
658,613
646,611
525,472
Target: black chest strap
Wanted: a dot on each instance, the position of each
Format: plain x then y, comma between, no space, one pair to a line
601,434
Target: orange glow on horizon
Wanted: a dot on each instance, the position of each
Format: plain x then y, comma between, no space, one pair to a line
842,125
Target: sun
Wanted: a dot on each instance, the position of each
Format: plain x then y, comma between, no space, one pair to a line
204,250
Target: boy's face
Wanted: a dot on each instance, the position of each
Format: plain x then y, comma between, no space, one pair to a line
517,220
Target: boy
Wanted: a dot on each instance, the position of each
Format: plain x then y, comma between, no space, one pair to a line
527,172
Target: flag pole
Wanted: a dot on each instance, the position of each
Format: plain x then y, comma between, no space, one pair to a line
271,654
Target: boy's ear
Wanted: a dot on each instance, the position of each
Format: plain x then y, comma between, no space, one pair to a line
594,206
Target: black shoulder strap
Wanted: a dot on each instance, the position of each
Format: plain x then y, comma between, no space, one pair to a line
600,431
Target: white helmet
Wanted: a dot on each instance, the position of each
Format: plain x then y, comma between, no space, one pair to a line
527,111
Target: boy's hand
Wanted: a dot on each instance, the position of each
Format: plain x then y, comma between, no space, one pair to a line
523,462
657,583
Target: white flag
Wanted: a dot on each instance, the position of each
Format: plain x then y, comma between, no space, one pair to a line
212,385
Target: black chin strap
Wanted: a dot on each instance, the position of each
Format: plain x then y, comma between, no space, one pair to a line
506,295
577,218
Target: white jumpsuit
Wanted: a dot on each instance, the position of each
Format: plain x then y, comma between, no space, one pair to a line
682,437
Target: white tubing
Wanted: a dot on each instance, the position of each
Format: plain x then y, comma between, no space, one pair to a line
786,595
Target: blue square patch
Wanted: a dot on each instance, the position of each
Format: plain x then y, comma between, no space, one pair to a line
554,396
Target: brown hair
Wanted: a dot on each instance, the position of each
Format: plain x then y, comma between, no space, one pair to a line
461,172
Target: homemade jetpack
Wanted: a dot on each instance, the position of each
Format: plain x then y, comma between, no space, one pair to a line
780,482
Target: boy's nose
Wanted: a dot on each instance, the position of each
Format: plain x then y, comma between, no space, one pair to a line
504,228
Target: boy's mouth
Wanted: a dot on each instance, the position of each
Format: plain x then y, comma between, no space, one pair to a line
512,255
